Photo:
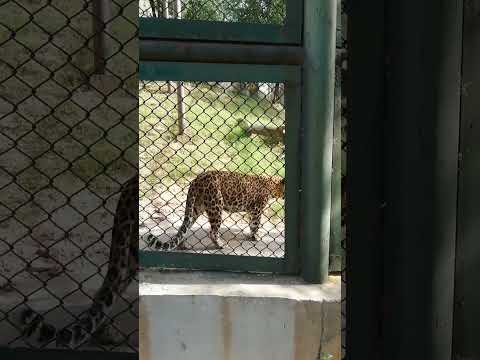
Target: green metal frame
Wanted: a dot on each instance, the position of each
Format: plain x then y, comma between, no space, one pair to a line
289,33
310,27
291,76
317,142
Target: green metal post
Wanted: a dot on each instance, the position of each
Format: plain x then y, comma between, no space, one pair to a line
318,108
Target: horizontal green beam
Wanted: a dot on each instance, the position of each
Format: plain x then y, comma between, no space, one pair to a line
193,261
175,29
155,28
211,52
164,70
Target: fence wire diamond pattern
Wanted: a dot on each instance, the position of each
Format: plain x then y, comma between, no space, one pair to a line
342,70
187,128
68,100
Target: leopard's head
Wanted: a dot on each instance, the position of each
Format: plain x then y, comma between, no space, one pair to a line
279,188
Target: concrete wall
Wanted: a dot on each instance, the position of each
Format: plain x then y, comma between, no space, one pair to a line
238,317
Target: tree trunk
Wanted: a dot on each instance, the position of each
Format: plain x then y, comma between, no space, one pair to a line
276,93
166,16
153,7
180,108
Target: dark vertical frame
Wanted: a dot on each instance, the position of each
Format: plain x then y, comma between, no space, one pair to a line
467,291
421,153
365,86
293,108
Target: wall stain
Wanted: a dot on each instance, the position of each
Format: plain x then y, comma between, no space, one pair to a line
226,329
308,329
144,332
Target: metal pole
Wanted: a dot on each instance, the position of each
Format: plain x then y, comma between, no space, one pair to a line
318,108
101,14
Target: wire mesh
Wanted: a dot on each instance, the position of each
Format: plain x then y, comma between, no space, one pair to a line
189,128
68,141
342,70
232,11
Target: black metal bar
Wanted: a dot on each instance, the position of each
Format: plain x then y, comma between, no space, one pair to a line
365,86
213,52
421,164
467,292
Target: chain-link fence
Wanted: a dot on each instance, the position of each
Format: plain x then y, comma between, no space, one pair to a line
190,128
232,11
342,70
68,141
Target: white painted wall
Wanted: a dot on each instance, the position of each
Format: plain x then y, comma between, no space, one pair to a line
238,321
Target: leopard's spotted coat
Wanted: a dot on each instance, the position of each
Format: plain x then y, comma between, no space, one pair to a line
213,192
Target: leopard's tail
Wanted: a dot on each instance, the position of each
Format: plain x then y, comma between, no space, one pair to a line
88,323
187,223
123,265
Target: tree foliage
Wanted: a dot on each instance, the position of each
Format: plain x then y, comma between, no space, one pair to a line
209,10
242,11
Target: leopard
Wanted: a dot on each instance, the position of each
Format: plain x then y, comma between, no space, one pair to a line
215,191
122,270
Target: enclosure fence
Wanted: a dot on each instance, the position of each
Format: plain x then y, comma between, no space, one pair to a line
342,113
231,109
69,139
68,142
187,128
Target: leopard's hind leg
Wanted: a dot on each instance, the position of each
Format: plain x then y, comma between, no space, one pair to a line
214,208
255,218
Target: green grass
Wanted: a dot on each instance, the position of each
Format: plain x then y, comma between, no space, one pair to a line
214,136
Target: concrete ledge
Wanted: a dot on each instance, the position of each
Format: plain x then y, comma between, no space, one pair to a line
227,316
234,284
